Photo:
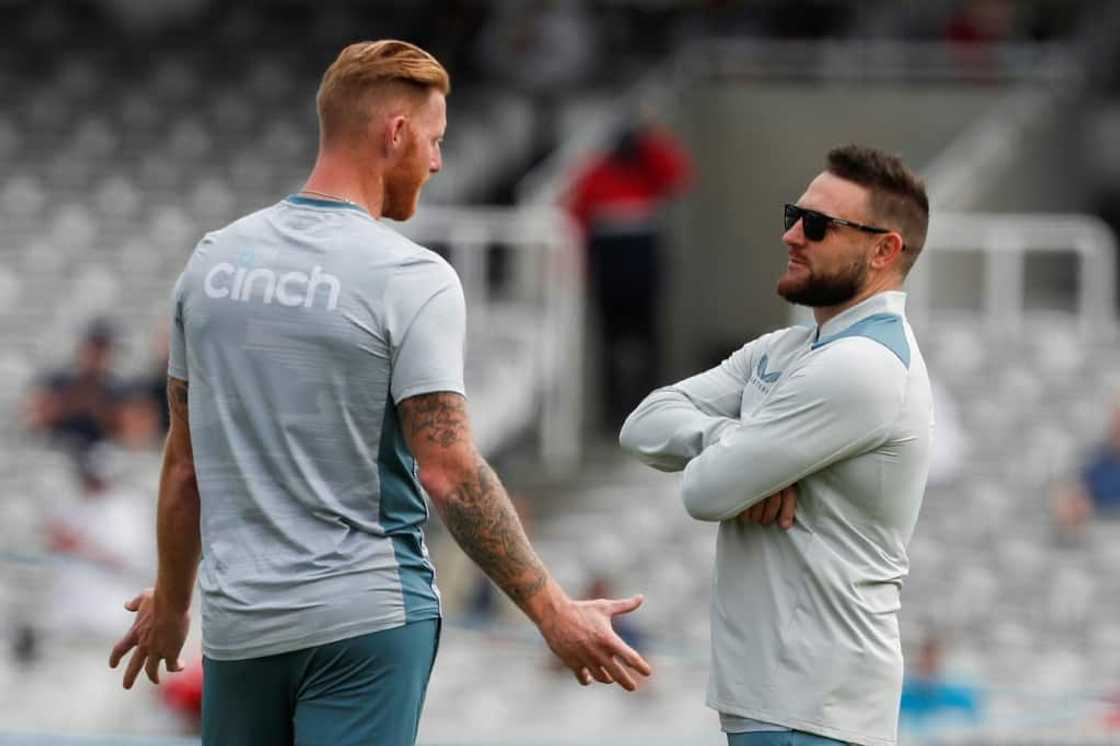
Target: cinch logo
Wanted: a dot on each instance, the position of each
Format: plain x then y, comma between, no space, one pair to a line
290,289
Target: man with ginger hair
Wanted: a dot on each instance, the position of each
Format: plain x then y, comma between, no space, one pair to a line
826,429
324,357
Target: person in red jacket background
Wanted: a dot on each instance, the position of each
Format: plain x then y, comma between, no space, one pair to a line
618,199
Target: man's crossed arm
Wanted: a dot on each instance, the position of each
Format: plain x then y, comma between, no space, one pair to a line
841,405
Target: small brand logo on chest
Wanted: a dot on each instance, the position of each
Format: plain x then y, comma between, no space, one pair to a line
762,375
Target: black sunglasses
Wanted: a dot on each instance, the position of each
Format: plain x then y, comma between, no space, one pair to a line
815,224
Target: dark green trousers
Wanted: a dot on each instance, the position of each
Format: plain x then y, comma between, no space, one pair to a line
365,690
779,738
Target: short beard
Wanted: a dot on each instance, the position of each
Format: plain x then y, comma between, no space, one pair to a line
402,187
398,205
400,197
818,292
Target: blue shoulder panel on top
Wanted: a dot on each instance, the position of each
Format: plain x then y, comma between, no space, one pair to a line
884,328
299,199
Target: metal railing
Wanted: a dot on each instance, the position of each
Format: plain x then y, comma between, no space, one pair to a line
1003,243
543,285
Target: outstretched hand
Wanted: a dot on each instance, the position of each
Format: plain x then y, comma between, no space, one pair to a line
581,635
782,505
156,633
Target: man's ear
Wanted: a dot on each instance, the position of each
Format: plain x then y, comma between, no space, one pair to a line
394,134
888,248
391,137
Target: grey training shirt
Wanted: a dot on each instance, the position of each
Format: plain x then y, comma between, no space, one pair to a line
300,328
805,621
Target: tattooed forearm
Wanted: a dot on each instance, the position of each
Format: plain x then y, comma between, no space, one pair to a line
177,397
439,418
468,494
480,516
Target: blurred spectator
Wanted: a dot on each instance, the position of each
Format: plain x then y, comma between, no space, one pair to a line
979,22
928,697
106,537
1096,491
618,199
78,407
144,415
975,28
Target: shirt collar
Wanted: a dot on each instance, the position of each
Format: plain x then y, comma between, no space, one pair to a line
337,204
889,301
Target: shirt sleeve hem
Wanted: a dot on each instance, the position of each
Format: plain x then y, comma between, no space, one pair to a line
430,387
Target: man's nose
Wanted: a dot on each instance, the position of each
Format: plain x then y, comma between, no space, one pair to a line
795,236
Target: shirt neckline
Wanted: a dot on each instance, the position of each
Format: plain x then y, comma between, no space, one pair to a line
305,201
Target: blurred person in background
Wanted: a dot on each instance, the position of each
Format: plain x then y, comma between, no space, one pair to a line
1096,490
982,22
105,537
827,429
316,389
618,200
78,407
928,697
154,383
144,415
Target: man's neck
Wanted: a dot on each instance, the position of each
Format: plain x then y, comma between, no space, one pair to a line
824,314
339,176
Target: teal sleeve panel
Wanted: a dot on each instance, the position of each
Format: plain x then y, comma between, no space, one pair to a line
888,329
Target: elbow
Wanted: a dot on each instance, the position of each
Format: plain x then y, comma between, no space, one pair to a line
444,472
635,432
635,440
696,502
440,482
435,483
628,436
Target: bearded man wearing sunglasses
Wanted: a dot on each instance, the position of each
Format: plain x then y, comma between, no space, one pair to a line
827,430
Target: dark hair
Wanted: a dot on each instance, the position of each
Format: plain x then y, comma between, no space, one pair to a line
898,196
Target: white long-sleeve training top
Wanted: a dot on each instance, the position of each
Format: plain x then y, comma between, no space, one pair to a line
805,621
